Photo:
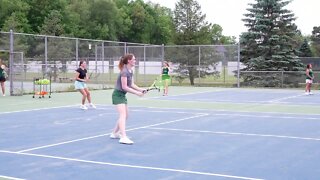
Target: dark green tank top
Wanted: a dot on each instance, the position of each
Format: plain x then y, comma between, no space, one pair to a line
165,71
310,74
1,72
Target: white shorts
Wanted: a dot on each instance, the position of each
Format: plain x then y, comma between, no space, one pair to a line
79,85
308,81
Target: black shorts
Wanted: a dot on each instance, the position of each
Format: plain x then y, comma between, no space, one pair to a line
2,79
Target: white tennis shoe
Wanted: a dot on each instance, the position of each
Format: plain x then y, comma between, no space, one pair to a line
83,107
115,135
125,140
92,106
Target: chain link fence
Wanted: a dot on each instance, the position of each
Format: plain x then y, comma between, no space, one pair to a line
30,56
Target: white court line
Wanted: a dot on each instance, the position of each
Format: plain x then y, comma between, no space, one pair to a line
56,107
233,133
183,94
285,98
221,102
101,135
267,116
10,178
132,166
241,111
39,109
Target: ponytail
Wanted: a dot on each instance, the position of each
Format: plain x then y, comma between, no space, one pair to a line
124,60
167,63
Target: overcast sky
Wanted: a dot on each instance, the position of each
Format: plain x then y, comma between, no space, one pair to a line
228,13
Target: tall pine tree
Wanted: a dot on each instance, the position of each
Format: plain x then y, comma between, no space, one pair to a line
268,43
315,37
191,29
305,50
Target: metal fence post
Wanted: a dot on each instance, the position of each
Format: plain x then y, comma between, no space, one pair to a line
96,58
11,62
102,56
199,69
238,65
45,54
281,79
77,51
144,65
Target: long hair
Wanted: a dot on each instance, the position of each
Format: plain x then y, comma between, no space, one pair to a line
166,63
124,60
81,62
308,66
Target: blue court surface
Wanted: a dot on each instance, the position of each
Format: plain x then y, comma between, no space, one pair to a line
259,96
68,143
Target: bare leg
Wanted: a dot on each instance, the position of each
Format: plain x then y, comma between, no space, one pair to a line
310,87
117,127
84,96
88,95
166,87
121,123
3,88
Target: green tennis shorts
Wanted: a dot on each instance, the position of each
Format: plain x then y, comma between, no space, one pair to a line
165,77
119,97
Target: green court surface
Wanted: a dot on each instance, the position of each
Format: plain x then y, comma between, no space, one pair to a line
234,99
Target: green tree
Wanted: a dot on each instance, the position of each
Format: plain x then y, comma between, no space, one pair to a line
191,28
76,18
142,22
18,22
218,38
41,9
163,29
103,15
123,22
14,11
268,44
315,38
52,24
305,50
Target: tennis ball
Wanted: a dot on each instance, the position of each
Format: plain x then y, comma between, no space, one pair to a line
44,81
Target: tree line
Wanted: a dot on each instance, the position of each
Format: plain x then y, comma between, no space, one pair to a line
115,20
272,43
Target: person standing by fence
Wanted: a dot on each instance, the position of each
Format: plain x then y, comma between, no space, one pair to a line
309,79
3,77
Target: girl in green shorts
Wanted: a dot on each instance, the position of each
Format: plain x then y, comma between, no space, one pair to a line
165,77
123,85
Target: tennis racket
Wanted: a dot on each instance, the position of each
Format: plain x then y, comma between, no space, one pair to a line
94,74
156,85
90,75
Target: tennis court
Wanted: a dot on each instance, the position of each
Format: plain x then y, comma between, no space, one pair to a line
194,133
